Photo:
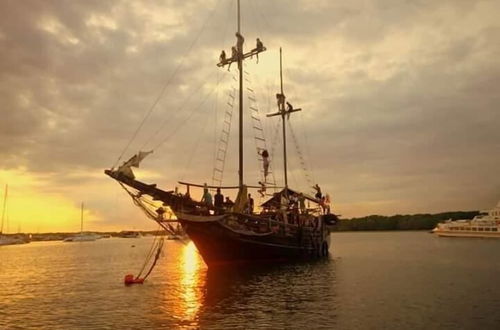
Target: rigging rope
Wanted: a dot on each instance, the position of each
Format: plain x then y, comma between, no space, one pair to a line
158,246
150,110
177,110
185,120
300,155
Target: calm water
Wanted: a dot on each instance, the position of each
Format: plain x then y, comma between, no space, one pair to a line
389,280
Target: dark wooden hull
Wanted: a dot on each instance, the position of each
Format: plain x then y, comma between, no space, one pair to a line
221,246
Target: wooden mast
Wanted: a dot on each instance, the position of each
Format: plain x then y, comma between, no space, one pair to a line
240,68
81,219
283,113
4,205
283,122
239,58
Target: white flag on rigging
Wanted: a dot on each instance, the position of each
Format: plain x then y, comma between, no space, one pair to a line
137,159
134,161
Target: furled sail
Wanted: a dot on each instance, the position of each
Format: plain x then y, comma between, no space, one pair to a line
125,168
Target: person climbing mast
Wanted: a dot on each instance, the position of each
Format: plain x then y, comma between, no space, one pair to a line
265,163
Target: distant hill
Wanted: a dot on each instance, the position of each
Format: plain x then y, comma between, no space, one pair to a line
401,222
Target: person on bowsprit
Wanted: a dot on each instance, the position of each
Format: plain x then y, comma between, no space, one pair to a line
265,162
234,56
280,99
222,57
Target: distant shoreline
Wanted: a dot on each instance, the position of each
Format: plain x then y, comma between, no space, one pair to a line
369,223
400,222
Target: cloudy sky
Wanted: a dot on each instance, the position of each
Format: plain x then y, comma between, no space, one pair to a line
400,102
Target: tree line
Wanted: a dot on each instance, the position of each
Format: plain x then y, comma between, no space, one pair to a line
400,222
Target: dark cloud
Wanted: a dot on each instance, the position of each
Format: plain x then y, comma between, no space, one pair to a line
400,98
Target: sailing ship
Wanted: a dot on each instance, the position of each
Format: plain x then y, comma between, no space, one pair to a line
485,224
82,236
10,239
233,233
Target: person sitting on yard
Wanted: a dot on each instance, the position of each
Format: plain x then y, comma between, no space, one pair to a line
234,56
222,57
258,48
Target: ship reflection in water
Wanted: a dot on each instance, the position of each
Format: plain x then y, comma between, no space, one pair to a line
192,280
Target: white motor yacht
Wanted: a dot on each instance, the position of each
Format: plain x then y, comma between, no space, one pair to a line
486,224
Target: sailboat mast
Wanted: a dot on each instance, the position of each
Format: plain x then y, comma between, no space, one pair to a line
4,205
240,68
283,122
81,219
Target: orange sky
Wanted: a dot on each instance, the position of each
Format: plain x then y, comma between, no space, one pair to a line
400,102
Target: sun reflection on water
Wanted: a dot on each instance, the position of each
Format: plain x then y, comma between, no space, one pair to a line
191,281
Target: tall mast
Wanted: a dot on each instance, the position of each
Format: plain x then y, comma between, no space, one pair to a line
240,68
283,113
81,219
238,55
4,205
283,122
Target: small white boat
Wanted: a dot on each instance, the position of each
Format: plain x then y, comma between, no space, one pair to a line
10,239
13,239
130,234
486,224
82,236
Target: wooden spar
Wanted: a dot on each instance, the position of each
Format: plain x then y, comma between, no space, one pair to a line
221,187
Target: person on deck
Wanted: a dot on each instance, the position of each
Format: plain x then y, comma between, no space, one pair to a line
302,203
207,197
265,162
327,203
222,57
323,205
219,202
250,204
228,201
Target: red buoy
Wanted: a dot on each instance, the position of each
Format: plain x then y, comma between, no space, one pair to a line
129,280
